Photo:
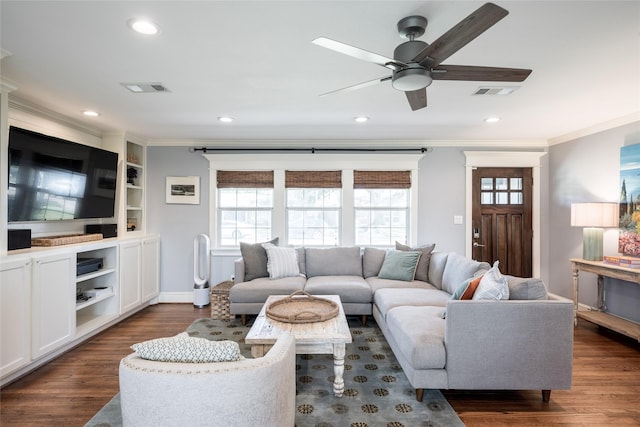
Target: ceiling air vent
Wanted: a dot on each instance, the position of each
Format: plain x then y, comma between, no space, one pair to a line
145,87
496,90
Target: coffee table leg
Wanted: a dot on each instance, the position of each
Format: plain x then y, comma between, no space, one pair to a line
338,369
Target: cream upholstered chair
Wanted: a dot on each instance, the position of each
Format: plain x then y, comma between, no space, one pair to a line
250,392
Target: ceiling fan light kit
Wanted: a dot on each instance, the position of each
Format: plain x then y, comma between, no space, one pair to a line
416,64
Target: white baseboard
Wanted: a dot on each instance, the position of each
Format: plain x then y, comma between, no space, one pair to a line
175,297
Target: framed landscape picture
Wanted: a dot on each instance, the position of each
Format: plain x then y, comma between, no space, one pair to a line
629,240
183,190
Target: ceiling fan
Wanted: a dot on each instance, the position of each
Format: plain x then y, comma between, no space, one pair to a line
416,64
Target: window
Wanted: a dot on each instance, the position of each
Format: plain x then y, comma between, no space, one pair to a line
501,191
313,207
245,206
382,205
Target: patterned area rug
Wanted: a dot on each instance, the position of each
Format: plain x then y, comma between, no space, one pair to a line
377,393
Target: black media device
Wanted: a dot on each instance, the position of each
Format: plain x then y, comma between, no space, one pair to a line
107,230
88,265
54,179
18,239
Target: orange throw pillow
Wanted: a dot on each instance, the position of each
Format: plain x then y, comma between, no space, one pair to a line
471,289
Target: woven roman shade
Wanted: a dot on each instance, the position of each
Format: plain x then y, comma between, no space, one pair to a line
245,179
313,179
381,179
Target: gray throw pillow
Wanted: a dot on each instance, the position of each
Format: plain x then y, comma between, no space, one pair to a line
255,259
372,260
422,271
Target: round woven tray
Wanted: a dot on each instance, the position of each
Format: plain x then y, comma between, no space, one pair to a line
302,307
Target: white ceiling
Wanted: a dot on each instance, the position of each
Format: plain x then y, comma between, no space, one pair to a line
255,61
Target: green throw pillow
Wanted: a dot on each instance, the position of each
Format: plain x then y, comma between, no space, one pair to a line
399,265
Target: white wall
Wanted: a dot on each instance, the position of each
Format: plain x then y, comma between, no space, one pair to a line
587,170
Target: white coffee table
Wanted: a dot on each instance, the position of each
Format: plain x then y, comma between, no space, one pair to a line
327,337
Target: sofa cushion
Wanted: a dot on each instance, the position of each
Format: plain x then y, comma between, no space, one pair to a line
335,261
422,271
185,349
259,289
281,261
372,260
399,265
302,261
377,283
493,285
419,333
437,264
521,288
255,259
458,269
352,289
388,298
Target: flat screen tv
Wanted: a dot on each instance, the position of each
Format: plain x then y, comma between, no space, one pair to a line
54,179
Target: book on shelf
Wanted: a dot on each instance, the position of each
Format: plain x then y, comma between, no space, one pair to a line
622,260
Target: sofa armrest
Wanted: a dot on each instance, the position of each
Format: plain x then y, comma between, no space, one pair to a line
238,273
509,344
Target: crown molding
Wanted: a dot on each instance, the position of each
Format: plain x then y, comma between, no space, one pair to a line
600,127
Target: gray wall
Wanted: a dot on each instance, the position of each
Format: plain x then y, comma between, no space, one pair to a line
442,195
176,224
587,169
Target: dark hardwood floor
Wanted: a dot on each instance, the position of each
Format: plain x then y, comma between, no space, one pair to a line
71,389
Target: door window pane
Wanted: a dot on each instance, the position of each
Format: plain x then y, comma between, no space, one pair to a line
486,198
486,183
516,183
502,198
502,184
516,198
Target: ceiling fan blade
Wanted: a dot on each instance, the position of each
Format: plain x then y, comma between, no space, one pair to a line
473,73
461,34
417,98
358,53
358,86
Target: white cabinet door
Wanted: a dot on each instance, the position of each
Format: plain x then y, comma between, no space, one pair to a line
15,315
150,268
53,302
130,275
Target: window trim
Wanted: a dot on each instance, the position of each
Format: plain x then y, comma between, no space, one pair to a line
345,162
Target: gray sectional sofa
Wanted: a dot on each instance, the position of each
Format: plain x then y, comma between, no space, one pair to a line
440,340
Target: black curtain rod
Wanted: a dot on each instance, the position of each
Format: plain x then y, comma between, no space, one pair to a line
311,150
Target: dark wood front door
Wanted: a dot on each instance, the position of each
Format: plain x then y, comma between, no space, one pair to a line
501,223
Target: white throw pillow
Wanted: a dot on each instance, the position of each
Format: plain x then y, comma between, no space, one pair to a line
493,285
281,261
186,349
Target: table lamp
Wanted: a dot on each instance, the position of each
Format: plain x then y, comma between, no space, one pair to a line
594,217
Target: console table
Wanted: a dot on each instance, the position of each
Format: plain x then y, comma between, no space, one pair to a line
599,317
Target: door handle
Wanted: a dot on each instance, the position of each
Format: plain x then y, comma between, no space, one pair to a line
477,245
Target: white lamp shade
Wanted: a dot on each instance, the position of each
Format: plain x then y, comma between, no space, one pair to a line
604,215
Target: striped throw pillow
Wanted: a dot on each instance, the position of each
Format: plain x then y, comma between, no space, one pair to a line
281,262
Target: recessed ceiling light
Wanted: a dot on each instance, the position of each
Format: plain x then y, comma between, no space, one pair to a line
143,26
492,119
90,113
225,119
361,119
